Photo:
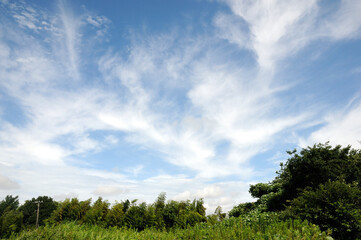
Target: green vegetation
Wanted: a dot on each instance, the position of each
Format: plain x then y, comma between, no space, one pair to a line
264,226
320,184
317,193
29,208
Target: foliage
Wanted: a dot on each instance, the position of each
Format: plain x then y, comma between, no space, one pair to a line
10,221
218,212
159,215
135,217
171,212
260,189
9,203
335,205
115,216
263,226
316,165
322,185
29,209
97,213
159,205
242,209
70,210
10,218
319,184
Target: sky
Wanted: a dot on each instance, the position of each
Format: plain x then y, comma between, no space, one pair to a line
194,98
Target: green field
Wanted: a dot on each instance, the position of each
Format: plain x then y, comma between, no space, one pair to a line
264,226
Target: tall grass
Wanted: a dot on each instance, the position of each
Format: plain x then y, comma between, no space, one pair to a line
261,227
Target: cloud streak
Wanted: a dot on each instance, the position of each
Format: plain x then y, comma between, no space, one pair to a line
207,104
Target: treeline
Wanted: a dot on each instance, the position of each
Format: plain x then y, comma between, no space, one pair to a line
320,184
160,215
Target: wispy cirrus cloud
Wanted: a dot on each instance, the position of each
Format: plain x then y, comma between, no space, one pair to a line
205,106
274,30
340,127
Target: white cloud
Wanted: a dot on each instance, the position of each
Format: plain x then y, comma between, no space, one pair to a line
341,127
210,192
108,191
346,22
110,139
72,36
275,30
183,97
6,183
97,21
62,197
135,170
226,195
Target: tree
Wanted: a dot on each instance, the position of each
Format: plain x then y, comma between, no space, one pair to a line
69,210
10,218
310,167
242,208
199,207
159,205
320,184
135,217
315,165
219,214
260,189
9,203
335,205
126,205
29,209
115,216
170,213
10,222
97,213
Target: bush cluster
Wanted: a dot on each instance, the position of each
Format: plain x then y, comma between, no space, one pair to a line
159,215
320,184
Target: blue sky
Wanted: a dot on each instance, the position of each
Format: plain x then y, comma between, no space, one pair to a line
127,99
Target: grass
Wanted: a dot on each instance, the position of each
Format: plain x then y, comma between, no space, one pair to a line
261,227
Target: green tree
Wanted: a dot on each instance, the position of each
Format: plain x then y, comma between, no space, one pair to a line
9,203
97,213
159,205
69,210
199,207
150,217
29,209
335,205
193,218
10,217
260,189
115,216
315,165
242,208
320,184
135,217
170,213
219,214
309,167
10,222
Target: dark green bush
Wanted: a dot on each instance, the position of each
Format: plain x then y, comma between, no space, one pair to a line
10,222
335,205
29,209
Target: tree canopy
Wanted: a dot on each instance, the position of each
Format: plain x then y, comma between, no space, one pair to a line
320,184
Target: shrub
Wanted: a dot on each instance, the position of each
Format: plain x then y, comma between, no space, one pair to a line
334,205
10,222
